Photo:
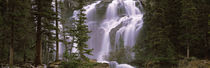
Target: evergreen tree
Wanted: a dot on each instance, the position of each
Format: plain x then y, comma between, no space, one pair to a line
82,33
154,44
16,14
170,26
18,19
2,30
44,16
188,23
57,31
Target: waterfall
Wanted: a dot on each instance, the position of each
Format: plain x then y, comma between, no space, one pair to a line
124,16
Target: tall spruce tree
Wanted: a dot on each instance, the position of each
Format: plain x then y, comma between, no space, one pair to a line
154,44
57,31
11,8
173,25
188,23
44,17
14,26
3,10
82,33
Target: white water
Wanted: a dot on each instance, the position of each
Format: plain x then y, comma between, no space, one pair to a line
114,64
128,23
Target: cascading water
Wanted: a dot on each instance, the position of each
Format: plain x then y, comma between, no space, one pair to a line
123,15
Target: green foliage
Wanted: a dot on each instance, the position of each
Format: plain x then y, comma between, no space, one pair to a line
21,14
44,17
154,43
73,61
169,26
77,64
23,31
188,19
81,34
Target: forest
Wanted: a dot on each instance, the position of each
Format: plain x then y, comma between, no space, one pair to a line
104,34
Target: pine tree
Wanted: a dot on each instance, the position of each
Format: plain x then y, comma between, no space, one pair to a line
69,27
57,31
44,16
154,36
187,22
169,26
82,33
15,15
2,29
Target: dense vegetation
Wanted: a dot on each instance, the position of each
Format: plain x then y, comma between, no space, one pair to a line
173,30
29,29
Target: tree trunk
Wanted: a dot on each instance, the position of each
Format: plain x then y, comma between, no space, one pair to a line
38,45
57,38
45,51
188,50
38,58
12,36
24,54
11,46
